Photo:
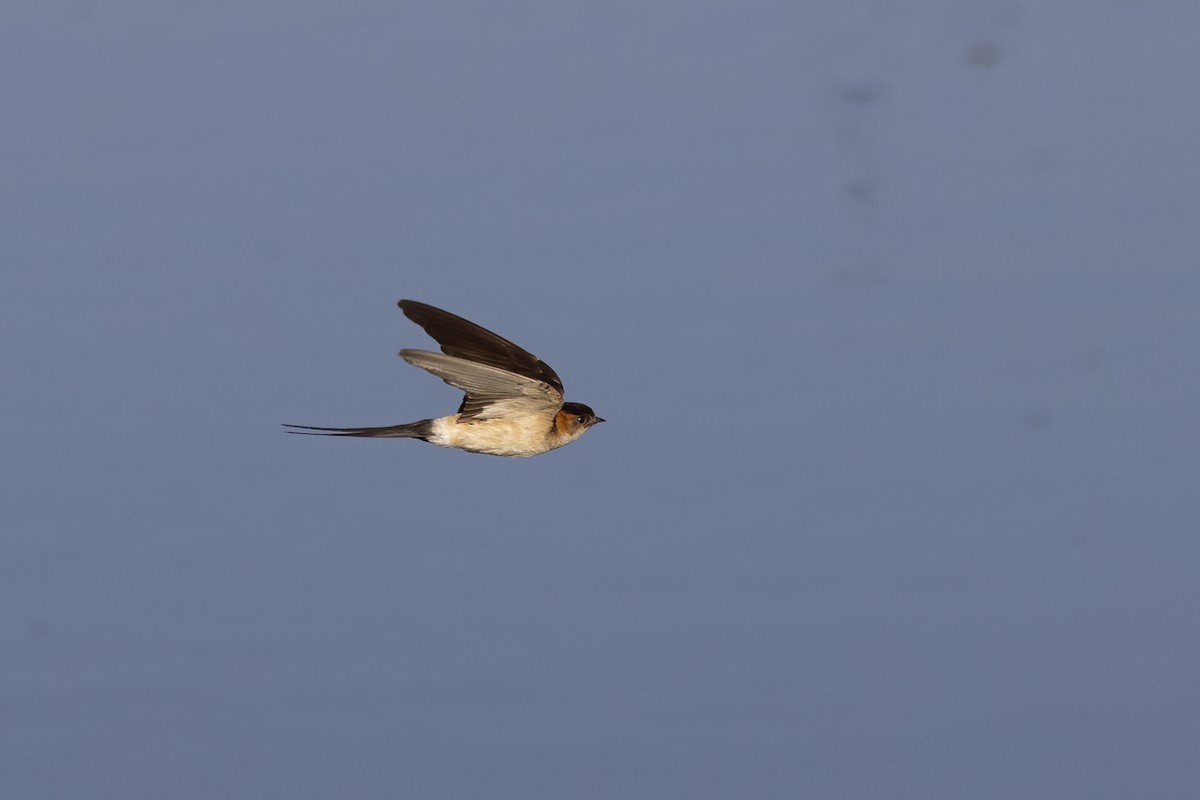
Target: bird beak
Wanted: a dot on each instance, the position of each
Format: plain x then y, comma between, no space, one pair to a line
598,420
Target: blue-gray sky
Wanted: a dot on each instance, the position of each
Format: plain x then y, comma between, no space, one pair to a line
892,308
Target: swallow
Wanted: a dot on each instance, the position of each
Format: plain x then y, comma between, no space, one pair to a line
512,403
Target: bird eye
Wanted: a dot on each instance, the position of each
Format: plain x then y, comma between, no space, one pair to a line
581,419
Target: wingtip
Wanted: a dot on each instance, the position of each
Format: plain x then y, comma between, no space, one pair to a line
413,309
409,351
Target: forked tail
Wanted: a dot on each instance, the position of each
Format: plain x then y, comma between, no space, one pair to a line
422,429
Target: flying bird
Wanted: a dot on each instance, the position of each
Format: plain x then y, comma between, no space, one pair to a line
513,402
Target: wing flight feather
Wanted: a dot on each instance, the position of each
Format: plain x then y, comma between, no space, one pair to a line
490,391
464,339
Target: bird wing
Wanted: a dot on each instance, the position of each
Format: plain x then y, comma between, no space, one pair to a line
466,340
491,392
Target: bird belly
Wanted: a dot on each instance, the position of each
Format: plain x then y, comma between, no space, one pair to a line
520,437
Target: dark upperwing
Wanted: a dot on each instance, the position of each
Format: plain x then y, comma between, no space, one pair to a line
463,339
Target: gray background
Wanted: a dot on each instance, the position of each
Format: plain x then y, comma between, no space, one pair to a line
892,308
